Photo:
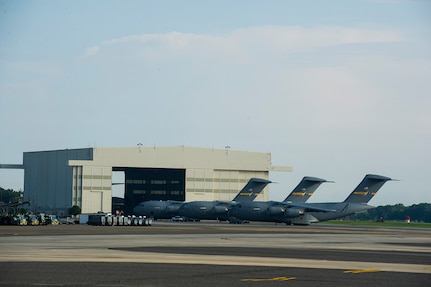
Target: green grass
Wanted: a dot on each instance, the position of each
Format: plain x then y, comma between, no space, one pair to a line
381,224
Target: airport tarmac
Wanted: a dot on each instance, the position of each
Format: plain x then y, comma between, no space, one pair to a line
214,254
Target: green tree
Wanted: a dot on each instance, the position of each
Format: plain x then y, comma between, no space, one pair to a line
75,210
419,212
10,196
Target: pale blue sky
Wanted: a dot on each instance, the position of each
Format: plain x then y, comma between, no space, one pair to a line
336,89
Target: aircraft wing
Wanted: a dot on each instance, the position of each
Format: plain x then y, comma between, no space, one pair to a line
308,207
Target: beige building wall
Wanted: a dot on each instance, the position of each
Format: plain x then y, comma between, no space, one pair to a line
96,189
179,157
223,185
211,174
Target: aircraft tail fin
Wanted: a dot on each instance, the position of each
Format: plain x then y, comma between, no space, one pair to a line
252,189
304,190
367,188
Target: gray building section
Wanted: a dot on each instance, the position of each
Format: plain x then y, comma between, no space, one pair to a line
56,180
49,181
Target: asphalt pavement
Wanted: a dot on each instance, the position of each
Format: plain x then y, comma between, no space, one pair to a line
214,254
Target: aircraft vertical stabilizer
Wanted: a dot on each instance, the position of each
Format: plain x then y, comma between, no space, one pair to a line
367,188
304,190
251,190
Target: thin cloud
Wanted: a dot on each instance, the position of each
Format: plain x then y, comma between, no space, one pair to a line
278,38
92,50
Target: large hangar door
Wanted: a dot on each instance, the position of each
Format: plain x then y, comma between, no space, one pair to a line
143,184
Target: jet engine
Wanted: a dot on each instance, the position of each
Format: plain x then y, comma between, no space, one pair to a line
220,209
293,212
276,210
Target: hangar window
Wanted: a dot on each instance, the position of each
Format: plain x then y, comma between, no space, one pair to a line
158,192
135,181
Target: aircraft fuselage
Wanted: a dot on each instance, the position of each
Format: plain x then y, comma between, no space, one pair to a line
273,211
270,211
158,209
205,210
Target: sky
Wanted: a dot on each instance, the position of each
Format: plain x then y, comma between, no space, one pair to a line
335,89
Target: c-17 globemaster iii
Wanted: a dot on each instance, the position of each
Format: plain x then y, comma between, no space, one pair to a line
159,209
356,202
219,210
307,213
300,194
276,211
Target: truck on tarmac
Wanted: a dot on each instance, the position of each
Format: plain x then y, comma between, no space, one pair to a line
32,219
47,219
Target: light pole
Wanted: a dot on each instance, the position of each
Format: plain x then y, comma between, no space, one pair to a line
227,150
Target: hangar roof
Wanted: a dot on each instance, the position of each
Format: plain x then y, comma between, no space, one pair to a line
180,157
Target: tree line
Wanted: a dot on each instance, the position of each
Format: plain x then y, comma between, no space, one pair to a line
8,196
416,213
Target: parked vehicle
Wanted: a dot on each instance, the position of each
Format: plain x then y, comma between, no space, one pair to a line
19,220
32,220
47,219
177,219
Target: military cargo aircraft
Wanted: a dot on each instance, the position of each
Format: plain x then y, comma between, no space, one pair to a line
307,213
300,194
276,211
218,210
356,202
159,209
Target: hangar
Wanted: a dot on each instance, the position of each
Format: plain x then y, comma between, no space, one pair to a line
56,180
